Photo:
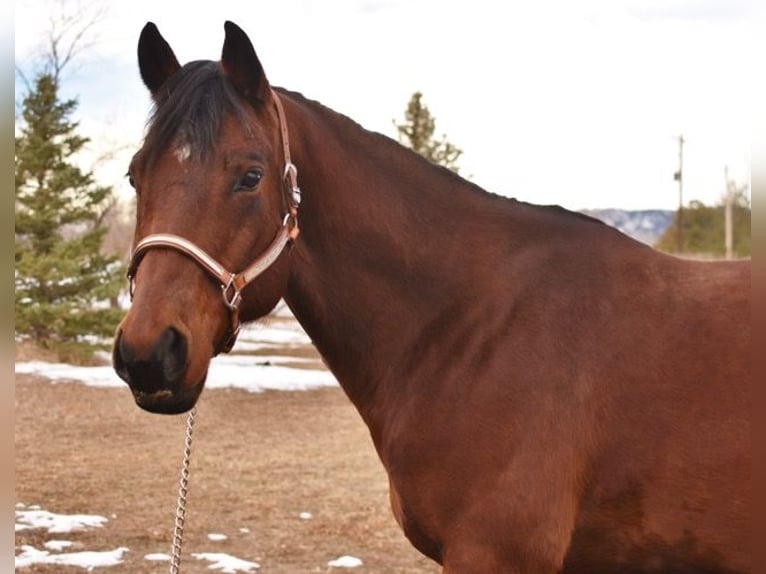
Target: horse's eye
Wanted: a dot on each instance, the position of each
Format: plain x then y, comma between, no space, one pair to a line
131,180
249,181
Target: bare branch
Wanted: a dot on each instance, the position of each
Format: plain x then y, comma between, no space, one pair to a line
71,32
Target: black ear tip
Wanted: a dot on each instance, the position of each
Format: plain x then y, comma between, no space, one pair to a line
150,27
230,26
149,33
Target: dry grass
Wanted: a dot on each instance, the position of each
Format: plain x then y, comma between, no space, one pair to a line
259,460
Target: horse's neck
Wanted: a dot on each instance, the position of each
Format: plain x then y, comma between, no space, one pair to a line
376,261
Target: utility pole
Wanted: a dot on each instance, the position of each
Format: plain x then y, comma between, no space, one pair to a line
729,209
679,177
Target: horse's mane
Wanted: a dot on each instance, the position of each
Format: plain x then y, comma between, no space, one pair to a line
191,107
194,102
382,143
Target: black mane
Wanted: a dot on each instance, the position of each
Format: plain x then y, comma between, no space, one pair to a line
194,101
190,108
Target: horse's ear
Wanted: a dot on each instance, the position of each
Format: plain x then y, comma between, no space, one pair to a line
241,65
156,59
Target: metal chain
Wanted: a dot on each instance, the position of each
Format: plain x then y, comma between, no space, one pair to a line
178,530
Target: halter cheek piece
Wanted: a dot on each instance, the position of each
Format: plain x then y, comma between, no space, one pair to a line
232,284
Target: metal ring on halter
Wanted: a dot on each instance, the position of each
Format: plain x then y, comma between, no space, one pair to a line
290,222
290,168
291,173
236,296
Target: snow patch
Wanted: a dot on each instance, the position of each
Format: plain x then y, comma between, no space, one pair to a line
285,333
254,373
232,371
216,537
89,560
345,562
56,523
58,545
157,557
226,563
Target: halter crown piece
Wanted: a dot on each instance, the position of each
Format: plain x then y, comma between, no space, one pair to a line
233,283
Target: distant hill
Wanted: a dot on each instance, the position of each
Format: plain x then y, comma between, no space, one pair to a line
646,225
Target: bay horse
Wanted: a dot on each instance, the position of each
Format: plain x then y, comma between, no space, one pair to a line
545,394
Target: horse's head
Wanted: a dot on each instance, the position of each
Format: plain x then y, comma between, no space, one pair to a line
216,206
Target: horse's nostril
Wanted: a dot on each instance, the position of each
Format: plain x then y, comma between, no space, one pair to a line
171,351
159,367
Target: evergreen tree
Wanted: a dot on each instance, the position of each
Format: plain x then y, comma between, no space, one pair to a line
704,229
417,132
63,282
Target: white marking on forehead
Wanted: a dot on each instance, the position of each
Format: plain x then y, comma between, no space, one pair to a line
182,152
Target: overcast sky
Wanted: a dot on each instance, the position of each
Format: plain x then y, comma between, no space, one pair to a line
577,103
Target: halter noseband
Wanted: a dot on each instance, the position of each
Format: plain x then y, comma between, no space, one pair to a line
232,284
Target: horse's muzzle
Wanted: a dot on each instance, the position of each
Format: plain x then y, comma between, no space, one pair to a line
156,376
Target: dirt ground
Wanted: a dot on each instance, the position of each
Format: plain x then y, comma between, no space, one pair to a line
259,460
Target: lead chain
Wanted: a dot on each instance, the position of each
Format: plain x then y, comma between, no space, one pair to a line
178,530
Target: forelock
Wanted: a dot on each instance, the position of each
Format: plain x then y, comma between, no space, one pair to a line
190,109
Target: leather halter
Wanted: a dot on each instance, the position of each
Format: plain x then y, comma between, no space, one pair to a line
233,283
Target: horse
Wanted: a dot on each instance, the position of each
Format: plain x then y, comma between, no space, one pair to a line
545,393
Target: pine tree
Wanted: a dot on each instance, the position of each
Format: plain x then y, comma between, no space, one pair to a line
417,132
63,282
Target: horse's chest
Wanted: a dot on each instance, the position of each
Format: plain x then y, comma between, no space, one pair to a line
416,531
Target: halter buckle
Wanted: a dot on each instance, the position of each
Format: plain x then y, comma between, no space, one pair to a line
291,174
231,301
